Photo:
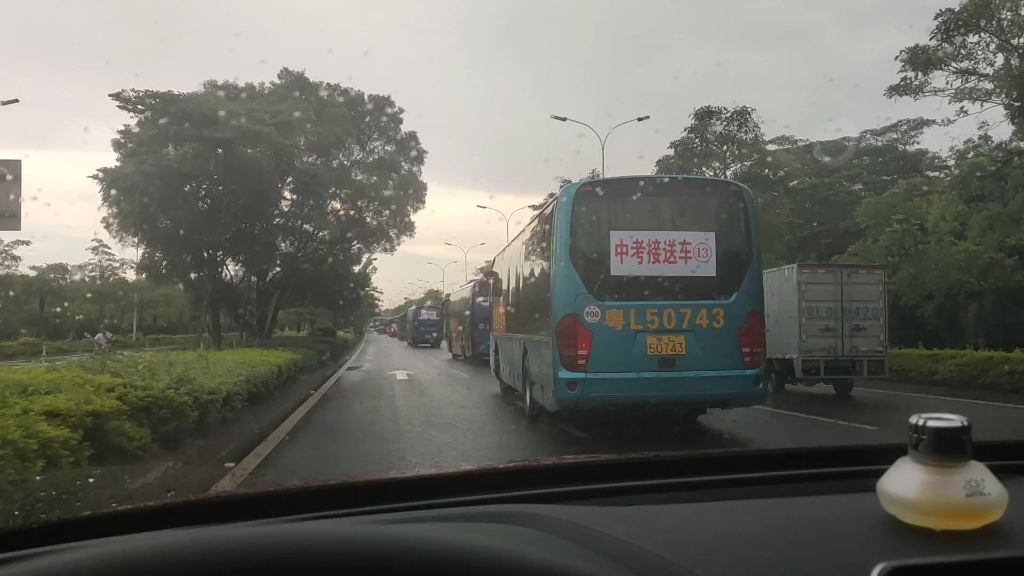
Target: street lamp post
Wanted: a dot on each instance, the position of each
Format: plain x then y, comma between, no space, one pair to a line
604,140
507,218
465,256
135,312
442,271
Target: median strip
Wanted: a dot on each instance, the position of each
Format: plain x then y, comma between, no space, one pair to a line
244,468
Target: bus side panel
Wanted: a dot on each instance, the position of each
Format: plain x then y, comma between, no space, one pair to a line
507,353
539,358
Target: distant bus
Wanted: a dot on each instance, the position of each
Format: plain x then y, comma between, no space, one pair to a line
424,324
378,324
634,291
468,315
400,323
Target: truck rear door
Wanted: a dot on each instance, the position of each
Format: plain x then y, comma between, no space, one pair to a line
821,300
863,309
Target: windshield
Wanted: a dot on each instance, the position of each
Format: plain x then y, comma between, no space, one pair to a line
624,232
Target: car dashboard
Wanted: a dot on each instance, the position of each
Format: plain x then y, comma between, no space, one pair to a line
831,526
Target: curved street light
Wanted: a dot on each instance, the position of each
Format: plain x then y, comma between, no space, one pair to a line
442,271
604,140
465,256
507,218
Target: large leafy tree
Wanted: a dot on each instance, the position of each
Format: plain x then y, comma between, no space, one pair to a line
719,141
972,60
241,193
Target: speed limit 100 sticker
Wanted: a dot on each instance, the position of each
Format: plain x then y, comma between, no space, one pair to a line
592,314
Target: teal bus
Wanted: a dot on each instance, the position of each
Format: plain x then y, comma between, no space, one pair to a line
633,291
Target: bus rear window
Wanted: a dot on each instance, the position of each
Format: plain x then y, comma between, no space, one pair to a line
658,238
430,313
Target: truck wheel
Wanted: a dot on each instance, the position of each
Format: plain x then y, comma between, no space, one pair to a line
843,388
775,384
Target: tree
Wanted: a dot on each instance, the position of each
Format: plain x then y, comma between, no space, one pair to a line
103,265
564,181
10,260
484,268
431,296
241,193
719,142
972,60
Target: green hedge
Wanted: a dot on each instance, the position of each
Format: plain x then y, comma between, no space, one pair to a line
968,369
114,407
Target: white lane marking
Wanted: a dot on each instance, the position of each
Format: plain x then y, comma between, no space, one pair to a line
401,374
242,470
574,431
934,397
832,420
463,373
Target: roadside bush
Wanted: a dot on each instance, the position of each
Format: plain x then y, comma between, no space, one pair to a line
968,369
115,408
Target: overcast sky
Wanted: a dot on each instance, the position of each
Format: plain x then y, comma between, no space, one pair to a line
478,81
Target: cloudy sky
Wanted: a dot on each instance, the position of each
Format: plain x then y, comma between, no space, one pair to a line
478,81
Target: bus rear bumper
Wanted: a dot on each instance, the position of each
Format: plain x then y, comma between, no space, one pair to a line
708,389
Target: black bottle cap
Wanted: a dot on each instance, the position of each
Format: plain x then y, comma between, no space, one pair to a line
940,437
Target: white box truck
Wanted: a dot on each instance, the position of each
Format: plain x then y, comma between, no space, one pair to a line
825,323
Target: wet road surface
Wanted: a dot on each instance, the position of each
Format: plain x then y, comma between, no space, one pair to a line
445,414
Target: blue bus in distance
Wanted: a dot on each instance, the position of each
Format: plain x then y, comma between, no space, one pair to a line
468,317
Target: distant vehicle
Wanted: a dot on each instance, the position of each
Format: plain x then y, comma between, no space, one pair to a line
424,324
634,291
468,317
825,323
379,324
400,322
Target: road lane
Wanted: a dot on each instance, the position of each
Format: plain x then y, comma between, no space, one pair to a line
372,423
449,414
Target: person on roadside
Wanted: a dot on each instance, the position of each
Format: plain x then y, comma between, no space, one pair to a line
103,338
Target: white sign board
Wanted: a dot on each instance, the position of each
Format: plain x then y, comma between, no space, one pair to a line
663,253
428,314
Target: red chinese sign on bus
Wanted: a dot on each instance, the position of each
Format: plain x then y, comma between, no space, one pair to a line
663,253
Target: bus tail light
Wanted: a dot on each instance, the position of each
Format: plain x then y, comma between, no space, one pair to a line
751,338
573,341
